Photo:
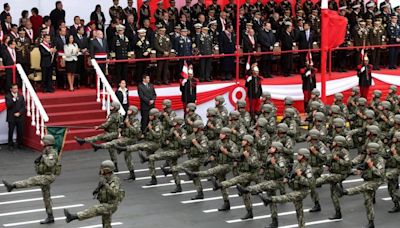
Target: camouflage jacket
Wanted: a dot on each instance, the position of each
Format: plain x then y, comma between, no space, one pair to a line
275,171
113,122
318,159
377,172
110,192
46,165
212,133
301,183
341,166
222,158
250,164
156,132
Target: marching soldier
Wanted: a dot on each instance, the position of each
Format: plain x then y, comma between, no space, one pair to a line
338,100
392,172
376,100
174,143
339,165
222,111
153,135
162,45
121,47
352,101
266,99
289,104
190,117
245,117
110,128
213,127
287,142
116,11
267,112
128,134
299,180
238,129
393,98
261,136
373,136
197,150
108,192
375,38
47,168
373,173
248,167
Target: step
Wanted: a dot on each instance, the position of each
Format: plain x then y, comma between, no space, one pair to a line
68,99
77,106
87,122
77,115
82,133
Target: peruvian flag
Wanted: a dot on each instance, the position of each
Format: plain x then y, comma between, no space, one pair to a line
333,27
185,70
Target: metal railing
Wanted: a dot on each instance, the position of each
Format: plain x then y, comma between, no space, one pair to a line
34,107
105,93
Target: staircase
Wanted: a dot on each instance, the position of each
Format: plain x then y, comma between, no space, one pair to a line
64,108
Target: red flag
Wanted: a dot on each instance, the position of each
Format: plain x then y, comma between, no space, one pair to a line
334,28
185,71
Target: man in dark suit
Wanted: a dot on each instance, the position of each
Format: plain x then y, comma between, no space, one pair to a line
6,24
46,63
287,45
6,12
57,15
250,44
306,39
188,89
9,59
266,39
99,49
58,42
83,44
73,29
147,95
15,115
227,41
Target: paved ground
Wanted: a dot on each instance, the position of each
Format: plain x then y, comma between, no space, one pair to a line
148,207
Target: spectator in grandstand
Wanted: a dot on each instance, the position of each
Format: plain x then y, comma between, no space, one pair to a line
71,52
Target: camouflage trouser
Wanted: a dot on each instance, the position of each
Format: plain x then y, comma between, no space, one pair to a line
192,164
297,198
270,187
358,159
44,182
163,155
212,148
243,179
104,210
392,176
149,147
105,137
317,171
219,172
110,146
368,189
334,180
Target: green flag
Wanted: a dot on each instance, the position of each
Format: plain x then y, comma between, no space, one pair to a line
59,134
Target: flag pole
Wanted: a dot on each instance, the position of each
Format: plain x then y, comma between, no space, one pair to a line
324,7
237,40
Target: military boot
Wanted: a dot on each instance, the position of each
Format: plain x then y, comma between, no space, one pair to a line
166,171
132,176
226,206
316,208
242,190
80,141
216,184
199,195
370,224
120,148
266,199
396,208
9,186
69,217
116,167
273,224
337,215
153,181
177,189
143,158
96,146
248,215
48,220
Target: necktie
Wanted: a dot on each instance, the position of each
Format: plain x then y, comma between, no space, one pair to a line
101,43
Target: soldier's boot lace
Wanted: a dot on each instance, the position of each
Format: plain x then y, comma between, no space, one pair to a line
337,215
226,206
177,189
199,195
116,167
396,208
143,158
266,199
96,146
9,186
132,176
80,141
69,217
166,171
153,181
48,220
273,224
248,215
370,224
242,190
316,208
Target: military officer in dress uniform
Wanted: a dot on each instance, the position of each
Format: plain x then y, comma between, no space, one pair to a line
183,48
23,50
144,11
116,11
205,46
162,45
393,34
121,47
375,38
142,50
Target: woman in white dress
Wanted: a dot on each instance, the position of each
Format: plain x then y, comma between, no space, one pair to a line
71,52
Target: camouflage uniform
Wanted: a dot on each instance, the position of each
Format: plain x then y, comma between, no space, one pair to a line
273,179
222,111
372,133
385,119
198,148
373,177
375,101
392,172
289,104
334,113
248,167
245,117
339,129
315,97
238,129
287,142
352,101
289,120
109,194
300,185
320,125
338,100
393,98
339,165
190,117
266,99
262,138
357,119
395,128
213,127
46,167
267,112
167,117
318,155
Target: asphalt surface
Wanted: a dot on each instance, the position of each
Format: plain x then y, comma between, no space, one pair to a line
148,207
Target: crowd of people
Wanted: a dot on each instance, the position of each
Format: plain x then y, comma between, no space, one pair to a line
192,30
